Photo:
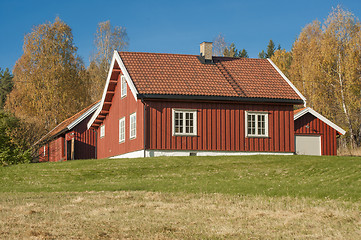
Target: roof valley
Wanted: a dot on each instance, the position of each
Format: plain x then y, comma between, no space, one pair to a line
230,79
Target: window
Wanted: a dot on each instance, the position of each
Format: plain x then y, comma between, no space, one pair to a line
102,131
257,124
133,125
123,83
44,150
122,130
184,122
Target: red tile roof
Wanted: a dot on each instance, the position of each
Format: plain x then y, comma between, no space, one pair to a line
178,74
298,110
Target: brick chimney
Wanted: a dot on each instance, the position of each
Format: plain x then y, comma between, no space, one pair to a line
206,51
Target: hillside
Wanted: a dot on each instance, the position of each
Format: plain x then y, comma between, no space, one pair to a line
297,176
261,197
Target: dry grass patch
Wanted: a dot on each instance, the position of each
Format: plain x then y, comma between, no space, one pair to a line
345,151
151,215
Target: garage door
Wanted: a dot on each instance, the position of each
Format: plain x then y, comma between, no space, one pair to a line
308,145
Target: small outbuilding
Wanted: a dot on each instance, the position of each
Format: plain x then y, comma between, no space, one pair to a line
315,134
70,139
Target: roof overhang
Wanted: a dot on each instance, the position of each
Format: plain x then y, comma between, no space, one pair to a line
115,59
83,116
45,138
219,98
319,116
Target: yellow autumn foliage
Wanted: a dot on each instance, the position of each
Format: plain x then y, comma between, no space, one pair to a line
50,81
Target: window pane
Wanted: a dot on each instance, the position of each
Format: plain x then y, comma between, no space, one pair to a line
251,122
123,86
178,125
133,125
261,124
122,130
184,122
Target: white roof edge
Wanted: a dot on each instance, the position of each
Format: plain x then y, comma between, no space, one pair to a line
92,119
319,116
131,85
288,81
83,116
127,76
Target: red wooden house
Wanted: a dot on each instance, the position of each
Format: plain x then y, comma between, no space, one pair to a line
315,134
172,104
70,139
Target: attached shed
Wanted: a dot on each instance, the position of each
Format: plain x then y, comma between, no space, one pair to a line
70,139
315,134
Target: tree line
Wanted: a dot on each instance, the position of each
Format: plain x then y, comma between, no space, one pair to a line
50,83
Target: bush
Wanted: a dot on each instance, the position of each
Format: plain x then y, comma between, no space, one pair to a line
11,152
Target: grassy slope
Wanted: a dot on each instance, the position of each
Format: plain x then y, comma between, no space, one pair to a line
254,197
295,176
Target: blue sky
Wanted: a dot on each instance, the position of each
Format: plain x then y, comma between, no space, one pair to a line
166,26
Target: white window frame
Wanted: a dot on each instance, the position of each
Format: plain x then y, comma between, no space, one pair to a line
44,150
102,131
133,128
257,134
123,86
184,111
122,130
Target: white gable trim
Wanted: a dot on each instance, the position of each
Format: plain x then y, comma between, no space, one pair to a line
288,81
127,76
319,116
83,116
130,83
95,115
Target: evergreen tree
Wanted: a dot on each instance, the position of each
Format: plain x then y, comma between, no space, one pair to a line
230,51
270,49
6,85
243,53
262,54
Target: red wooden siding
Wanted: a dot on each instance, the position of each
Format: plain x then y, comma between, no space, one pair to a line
54,151
310,125
84,144
85,140
109,145
220,127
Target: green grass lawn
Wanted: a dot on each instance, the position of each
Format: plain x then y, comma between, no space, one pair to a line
295,176
250,197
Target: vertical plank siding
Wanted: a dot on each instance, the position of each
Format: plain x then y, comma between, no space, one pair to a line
120,107
85,141
220,127
310,125
54,151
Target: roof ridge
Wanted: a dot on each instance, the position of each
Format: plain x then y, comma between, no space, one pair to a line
195,55
230,79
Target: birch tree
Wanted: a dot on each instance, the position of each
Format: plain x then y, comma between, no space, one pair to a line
107,39
283,60
326,67
49,78
219,45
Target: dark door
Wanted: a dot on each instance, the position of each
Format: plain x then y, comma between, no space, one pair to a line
68,150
